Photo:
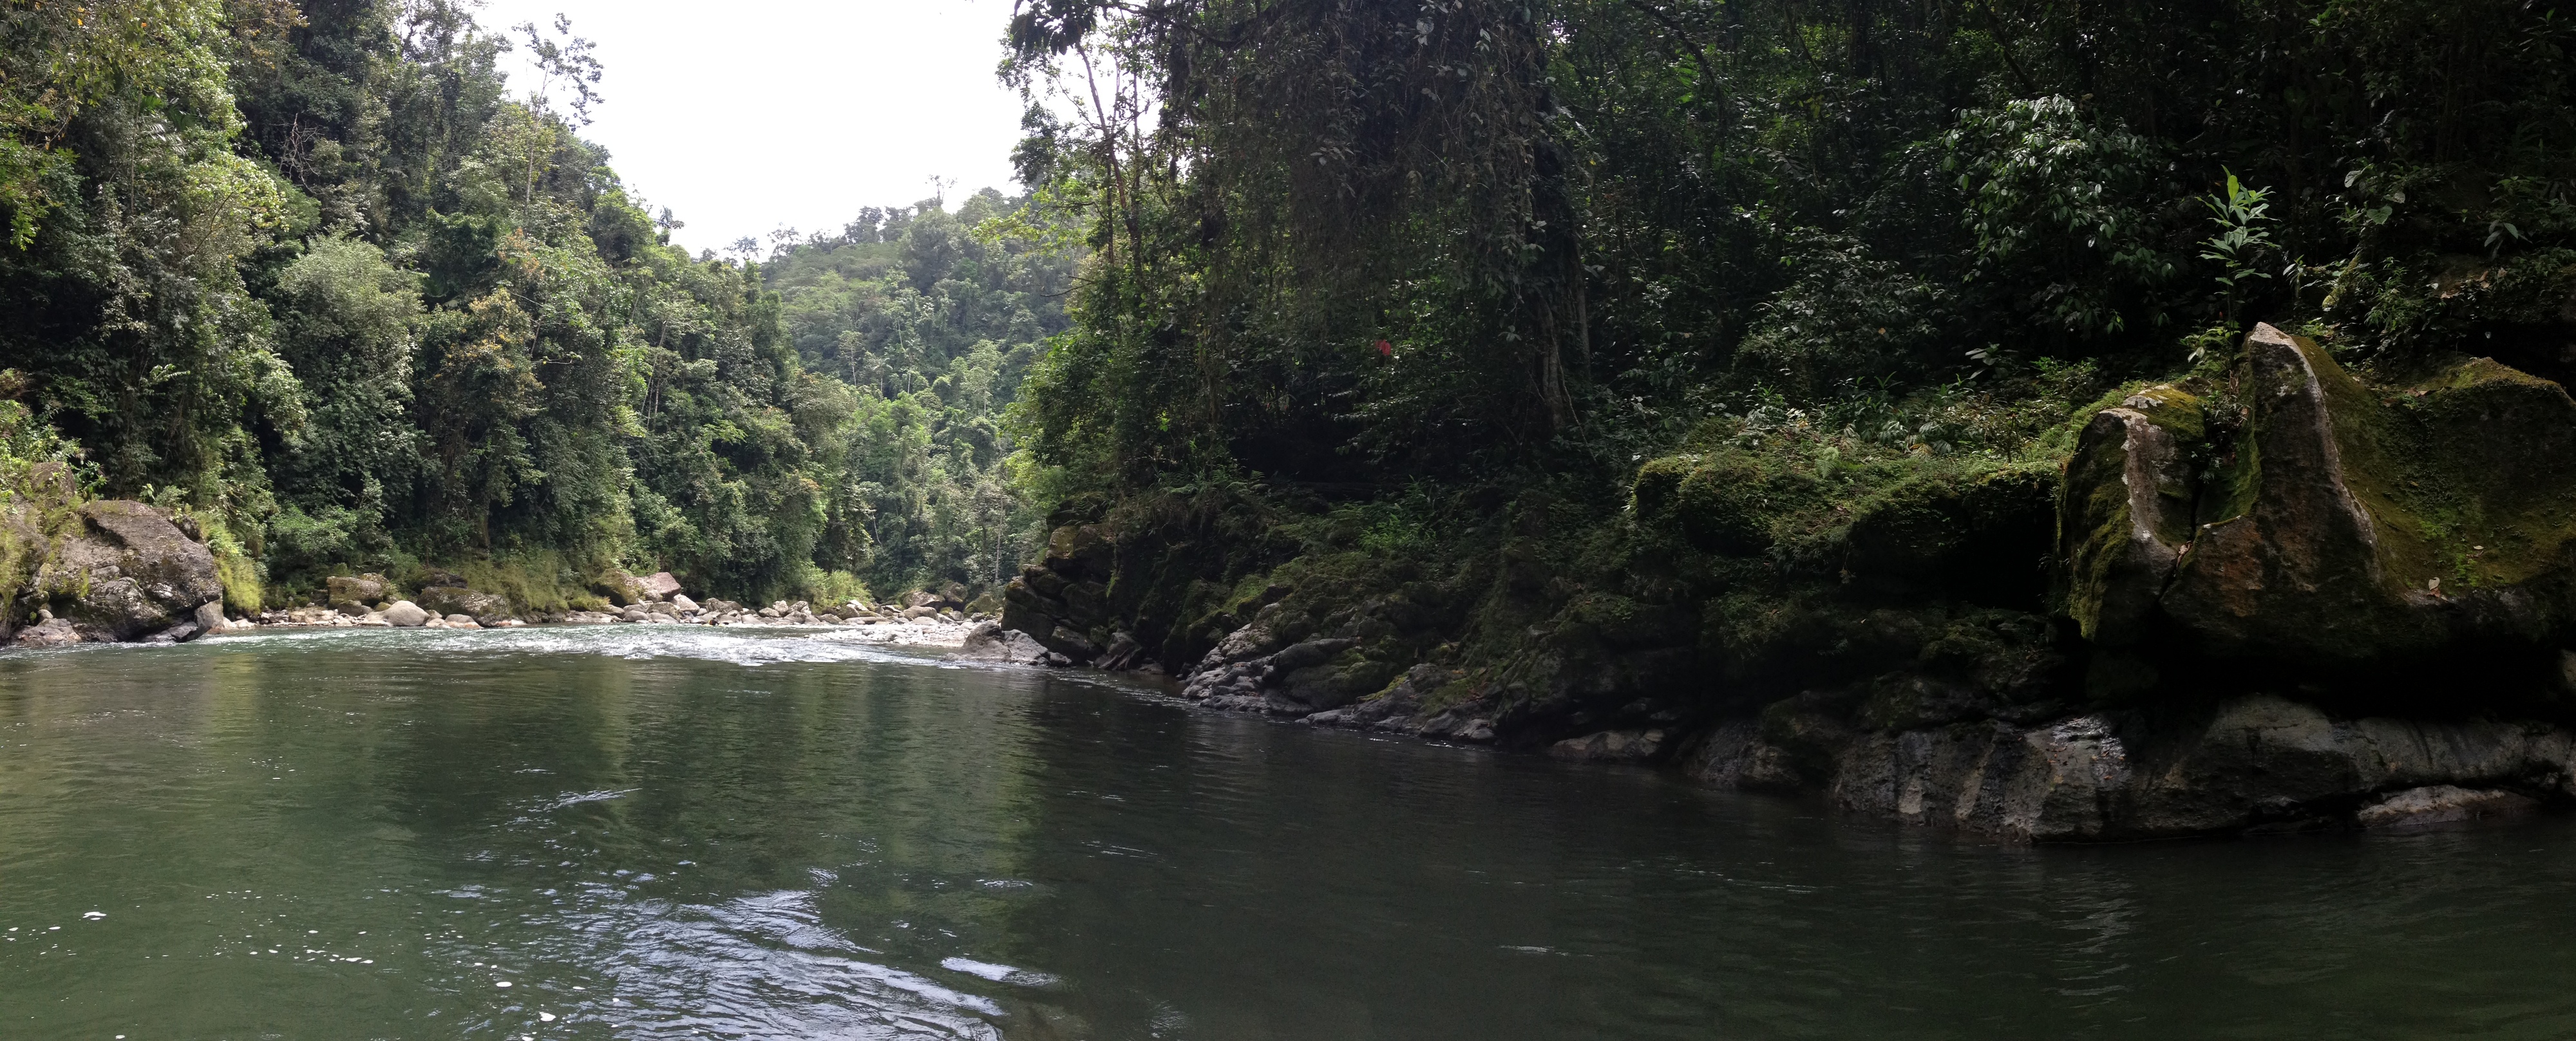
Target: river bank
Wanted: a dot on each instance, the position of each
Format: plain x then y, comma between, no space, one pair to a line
2268,594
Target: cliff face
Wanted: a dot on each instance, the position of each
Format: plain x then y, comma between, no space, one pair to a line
2272,595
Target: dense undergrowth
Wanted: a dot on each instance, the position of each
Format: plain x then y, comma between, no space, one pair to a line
1719,352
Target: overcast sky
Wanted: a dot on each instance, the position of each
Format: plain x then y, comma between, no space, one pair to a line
747,115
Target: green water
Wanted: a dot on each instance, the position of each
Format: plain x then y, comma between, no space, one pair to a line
668,832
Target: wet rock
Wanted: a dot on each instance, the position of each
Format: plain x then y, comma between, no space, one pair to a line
990,642
1073,645
2255,763
50,632
406,615
210,617
637,614
459,621
1123,654
180,633
1465,725
1611,746
1718,757
2442,804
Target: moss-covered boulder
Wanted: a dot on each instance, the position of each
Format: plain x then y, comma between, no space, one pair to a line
1722,501
1975,534
2341,525
2126,510
126,572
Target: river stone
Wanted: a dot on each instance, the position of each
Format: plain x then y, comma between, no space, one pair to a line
210,617
406,615
52,632
661,585
2443,804
2259,762
1611,746
358,589
683,604
625,589
988,641
485,608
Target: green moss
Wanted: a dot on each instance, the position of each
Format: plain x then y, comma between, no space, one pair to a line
2467,473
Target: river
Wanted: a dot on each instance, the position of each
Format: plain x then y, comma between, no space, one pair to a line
677,832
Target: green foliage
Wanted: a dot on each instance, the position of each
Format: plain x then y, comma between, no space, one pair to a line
1357,244
307,271
2062,208
2244,235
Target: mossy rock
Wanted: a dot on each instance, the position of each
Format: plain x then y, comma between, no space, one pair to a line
2126,509
1721,502
2351,527
1980,535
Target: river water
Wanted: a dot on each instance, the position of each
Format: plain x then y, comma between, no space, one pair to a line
673,832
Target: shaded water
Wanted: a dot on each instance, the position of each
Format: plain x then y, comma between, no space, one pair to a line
663,832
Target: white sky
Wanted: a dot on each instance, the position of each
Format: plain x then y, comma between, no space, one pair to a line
746,115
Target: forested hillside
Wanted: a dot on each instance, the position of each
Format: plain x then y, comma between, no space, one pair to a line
1612,372
1477,238
312,275
934,318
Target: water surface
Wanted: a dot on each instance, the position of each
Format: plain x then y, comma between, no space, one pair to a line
668,832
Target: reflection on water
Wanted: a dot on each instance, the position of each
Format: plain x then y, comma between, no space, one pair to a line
671,832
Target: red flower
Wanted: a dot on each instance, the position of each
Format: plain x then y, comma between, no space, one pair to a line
1385,349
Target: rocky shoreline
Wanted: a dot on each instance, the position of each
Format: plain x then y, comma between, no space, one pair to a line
2280,598
126,572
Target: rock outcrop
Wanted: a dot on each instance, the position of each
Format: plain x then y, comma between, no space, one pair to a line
356,594
988,641
2338,531
125,574
2257,763
2276,596
2305,602
486,609
1064,601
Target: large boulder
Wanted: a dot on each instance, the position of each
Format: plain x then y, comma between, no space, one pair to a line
2338,527
660,586
406,615
484,608
352,594
620,587
988,641
127,572
49,632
